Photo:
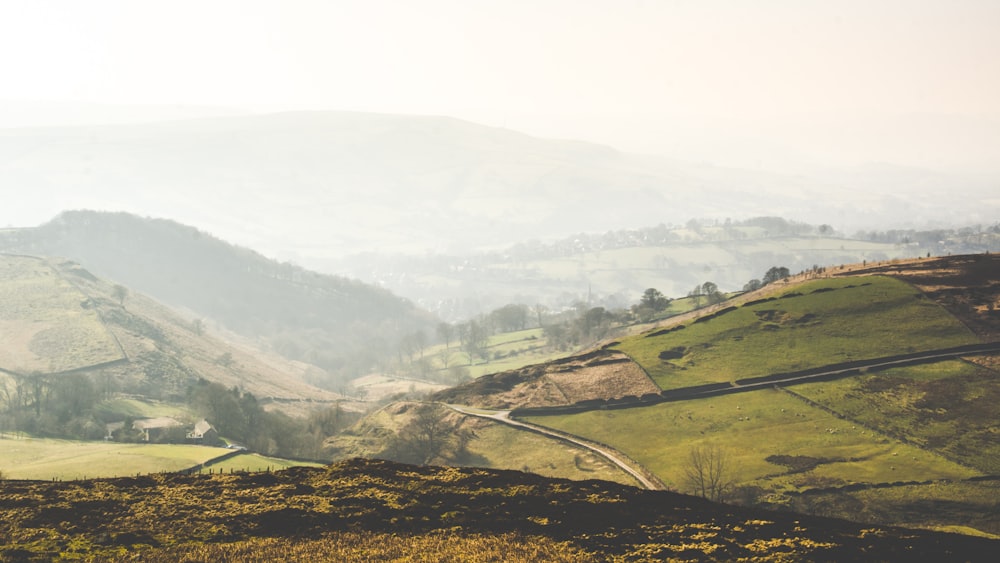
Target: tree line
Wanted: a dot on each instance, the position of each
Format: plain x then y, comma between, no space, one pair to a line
75,406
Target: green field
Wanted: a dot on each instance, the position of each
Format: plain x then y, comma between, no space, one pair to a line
494,445
507,351
256,462
751,427
46,324
499,446
832,321
47,458
947,406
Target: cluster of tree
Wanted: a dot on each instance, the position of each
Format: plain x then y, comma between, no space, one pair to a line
650,304
70,406
775,273
471,338
429,437
57,406
239,416
583,325
706,294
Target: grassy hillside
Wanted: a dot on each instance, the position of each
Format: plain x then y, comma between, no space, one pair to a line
378,510
809,325
46,323
756,429
825,446
342,325
57,316
491,445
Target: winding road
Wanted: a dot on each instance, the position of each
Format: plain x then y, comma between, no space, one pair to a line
648,480
606,452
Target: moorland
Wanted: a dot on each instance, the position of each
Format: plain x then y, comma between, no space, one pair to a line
377,510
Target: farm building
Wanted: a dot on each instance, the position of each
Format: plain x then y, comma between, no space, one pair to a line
155,429
203,433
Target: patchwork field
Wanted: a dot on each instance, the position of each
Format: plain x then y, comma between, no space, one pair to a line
817,323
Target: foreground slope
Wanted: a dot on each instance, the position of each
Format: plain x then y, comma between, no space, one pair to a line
360,509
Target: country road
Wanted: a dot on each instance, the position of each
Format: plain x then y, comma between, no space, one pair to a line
755,383
651,482
606,452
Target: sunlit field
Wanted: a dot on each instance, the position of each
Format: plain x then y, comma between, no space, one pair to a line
815,324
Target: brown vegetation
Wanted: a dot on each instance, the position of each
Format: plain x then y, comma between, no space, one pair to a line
965,285
602,374
380,510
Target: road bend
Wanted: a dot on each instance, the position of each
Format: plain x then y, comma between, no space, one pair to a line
606,452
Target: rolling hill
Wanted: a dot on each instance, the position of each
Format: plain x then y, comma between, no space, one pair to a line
828,394
57,319
315,185
341,325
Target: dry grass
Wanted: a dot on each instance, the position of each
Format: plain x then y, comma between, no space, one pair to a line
46,323
376,510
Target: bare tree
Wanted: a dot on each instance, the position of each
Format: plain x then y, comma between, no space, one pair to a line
120,292
539,311
429,437
445,332
709,472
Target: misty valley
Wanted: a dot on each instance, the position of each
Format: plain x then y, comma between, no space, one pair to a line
499,282
858,384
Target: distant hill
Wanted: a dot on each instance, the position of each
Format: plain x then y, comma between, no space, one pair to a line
612,269
339,324
320,185
57,320
376,510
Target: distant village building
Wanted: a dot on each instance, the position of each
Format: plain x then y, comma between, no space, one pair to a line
203,433
113,428
163,429
153,429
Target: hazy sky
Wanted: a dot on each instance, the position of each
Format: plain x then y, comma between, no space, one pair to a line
643,75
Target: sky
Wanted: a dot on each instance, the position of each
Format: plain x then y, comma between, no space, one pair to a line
642,75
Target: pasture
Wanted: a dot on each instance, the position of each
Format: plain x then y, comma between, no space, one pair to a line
48,458
498,446
255,463
813,324
506,351
751,428
947,406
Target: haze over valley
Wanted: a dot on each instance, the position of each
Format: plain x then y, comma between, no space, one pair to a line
523,281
